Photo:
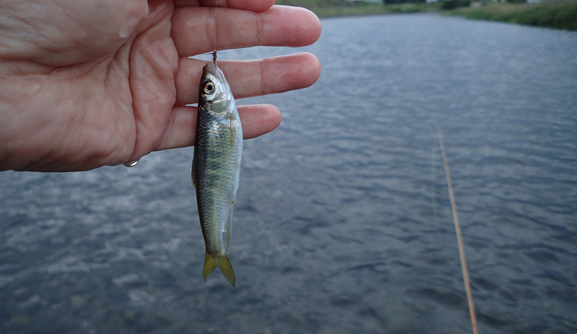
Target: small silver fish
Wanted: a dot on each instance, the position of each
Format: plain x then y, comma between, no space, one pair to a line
216,167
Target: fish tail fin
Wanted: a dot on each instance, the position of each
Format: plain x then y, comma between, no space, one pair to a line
209,265
226,269
222,262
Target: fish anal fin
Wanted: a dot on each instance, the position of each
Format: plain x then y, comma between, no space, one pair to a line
228,228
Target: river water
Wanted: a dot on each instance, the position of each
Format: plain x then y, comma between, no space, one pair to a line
342,220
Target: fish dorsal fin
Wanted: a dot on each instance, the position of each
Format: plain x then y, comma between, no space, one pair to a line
192,174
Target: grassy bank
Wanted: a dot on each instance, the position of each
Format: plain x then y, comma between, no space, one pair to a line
340,8
554,14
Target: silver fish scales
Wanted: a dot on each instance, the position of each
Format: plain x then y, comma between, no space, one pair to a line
216,167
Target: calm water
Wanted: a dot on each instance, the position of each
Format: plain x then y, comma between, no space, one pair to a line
342,220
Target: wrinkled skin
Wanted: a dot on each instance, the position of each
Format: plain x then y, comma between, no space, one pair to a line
85,84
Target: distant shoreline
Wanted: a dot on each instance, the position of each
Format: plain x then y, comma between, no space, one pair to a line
358,9
552,14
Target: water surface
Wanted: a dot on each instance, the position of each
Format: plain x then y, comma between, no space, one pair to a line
342,219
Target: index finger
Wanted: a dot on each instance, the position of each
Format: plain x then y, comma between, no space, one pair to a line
256,6
193,29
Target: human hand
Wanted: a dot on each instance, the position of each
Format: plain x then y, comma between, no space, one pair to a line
85,84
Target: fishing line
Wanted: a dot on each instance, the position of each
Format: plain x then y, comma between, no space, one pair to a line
215,32
433,161
464,270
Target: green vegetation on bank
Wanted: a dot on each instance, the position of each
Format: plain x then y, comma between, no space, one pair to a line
561,14
328,8
554,14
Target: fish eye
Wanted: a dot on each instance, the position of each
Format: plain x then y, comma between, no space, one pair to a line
209,87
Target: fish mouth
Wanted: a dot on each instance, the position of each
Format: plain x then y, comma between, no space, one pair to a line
210,68
213,70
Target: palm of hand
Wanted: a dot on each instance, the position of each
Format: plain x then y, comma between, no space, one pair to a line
106,75
92,84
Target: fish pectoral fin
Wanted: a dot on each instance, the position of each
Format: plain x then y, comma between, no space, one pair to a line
222,262
236,182
231,130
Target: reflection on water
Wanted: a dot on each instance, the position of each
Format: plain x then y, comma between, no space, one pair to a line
343,222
